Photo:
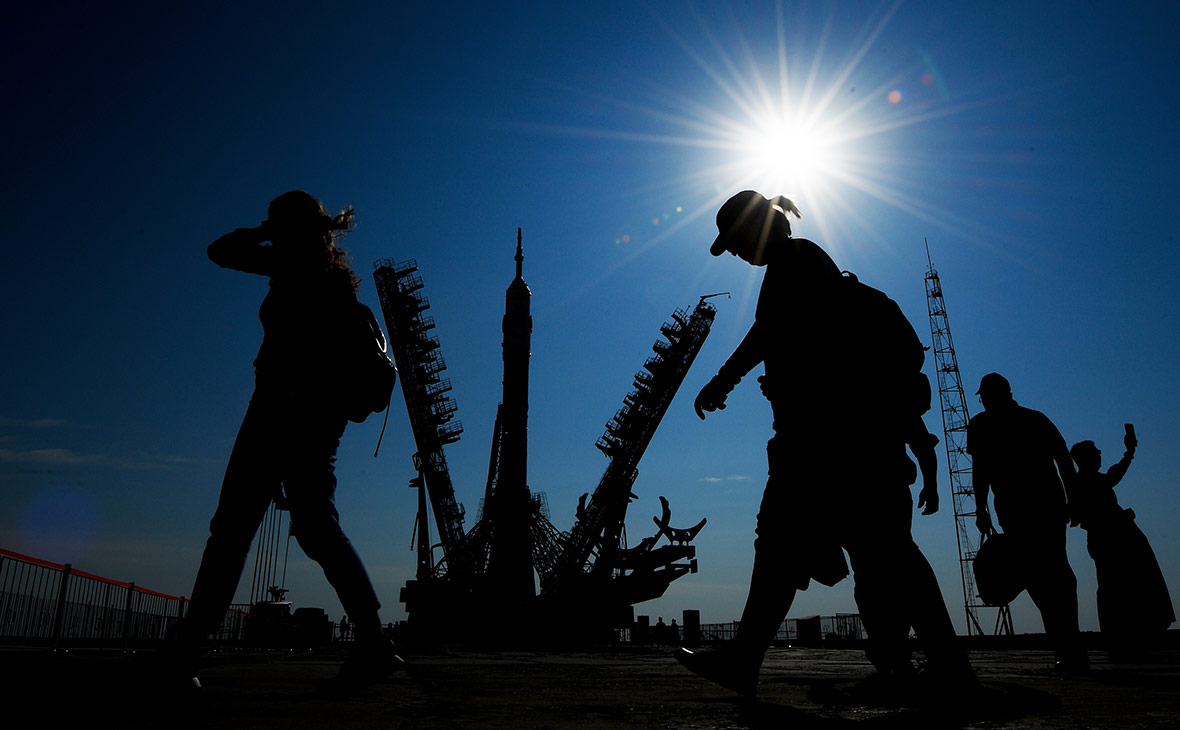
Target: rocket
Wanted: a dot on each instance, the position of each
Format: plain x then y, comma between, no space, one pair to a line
518,330
511,563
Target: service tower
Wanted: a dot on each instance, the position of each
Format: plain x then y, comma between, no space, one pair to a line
510,561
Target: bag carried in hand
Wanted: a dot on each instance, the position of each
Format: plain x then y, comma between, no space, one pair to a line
999,574
369,375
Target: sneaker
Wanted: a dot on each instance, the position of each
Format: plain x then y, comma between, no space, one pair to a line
366,663
722,666
174,669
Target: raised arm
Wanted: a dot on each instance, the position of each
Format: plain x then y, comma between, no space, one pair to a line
1119,470
242,250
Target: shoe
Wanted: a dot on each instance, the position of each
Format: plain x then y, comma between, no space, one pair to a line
947,685
174,667
367,663
724,667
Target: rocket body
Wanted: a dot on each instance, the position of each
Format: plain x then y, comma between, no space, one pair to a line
510,561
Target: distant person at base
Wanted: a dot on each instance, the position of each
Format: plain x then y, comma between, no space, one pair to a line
1019,455
844,381
286,447
1134,607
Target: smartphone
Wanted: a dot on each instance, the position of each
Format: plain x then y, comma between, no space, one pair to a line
1130,429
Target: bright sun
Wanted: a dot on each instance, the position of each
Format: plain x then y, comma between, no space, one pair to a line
787,155
816,131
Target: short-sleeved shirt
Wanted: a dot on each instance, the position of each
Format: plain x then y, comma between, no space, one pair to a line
1016,446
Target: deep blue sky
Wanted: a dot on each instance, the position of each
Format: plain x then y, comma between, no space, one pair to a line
1033,144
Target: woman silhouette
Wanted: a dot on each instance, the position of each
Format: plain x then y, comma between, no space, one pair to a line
1134,607
286,447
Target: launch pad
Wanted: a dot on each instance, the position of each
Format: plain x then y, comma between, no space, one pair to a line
589,576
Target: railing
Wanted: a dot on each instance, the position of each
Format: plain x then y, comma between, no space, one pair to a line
841,627
47,604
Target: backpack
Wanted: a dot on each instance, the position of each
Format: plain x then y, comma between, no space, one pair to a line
368,375
897,352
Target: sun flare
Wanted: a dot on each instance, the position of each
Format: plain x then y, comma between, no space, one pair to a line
785,155
823,123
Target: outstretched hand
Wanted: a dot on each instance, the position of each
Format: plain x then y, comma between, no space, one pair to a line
1130,442
928,498
712,397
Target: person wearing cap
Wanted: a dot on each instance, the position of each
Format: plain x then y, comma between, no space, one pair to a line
1018,455
841,365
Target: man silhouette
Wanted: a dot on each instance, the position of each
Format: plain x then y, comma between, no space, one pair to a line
1019,454
843,377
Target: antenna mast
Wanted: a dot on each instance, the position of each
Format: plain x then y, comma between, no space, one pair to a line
954,425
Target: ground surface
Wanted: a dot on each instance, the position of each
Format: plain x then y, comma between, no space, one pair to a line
799,688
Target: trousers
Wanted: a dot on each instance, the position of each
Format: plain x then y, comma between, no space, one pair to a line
1050,580
283,449
815,504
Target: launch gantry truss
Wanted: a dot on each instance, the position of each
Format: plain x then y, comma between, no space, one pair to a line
595,551
431,410
589,571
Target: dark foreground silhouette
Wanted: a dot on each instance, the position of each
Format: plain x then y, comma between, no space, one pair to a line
843,377
1019,454
1134,608
286,447
801,689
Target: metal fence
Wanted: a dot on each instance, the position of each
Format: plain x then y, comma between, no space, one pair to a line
841,627
47,604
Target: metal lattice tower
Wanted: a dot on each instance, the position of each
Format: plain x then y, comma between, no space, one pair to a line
954,424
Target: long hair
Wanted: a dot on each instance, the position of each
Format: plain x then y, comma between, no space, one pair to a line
304,218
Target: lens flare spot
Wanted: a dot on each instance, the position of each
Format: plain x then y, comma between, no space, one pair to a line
59,523
894,97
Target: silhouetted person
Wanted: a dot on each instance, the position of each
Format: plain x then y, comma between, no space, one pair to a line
1133,602
841,371
1019,454
288,439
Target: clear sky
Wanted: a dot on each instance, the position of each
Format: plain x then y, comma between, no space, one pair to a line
1033,144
